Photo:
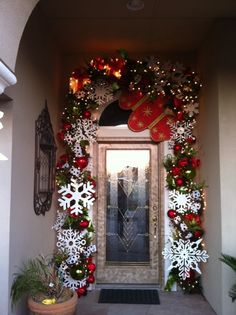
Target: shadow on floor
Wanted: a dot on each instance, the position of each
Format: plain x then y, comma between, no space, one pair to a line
171,303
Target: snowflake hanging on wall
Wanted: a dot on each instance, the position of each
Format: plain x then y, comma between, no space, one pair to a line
179,201
181,131
71,241
76,196
185,255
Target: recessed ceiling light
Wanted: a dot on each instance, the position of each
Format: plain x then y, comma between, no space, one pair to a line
135,5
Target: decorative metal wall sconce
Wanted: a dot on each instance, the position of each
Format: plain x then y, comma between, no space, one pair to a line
45,159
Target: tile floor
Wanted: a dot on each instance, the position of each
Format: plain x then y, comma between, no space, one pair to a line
171,303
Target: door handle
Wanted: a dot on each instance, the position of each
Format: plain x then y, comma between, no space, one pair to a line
154,220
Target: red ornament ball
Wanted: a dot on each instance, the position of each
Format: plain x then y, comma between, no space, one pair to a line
175,170
198,234
86,114
89,260
81,162
183,162
84,224
191,139
180,115
91,279
179,181
93,183
177,147
91,267
195,162
61,136
177,102
171,213
67,126
189,216
81,291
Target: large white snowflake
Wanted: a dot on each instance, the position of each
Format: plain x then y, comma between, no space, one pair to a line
179,201
181,131
76,196
68,281
191,109
185,255
101,93
71,241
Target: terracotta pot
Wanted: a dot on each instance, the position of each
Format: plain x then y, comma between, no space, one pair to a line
65,308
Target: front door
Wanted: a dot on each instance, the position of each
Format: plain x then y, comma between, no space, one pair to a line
128,214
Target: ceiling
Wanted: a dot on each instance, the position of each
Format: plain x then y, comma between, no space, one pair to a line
91,26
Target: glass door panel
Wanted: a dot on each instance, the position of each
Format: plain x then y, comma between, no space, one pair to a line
127,222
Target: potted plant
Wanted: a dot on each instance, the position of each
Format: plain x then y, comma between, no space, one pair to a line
40,281
231,262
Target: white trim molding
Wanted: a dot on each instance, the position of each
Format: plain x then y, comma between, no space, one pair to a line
7,77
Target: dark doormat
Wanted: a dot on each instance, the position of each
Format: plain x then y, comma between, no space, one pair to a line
129,296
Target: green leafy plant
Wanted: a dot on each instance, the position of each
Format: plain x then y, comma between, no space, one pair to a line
231,262
39,279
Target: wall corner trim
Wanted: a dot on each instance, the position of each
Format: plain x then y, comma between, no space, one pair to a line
7,77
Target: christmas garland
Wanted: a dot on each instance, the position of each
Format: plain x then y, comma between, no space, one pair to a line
94,86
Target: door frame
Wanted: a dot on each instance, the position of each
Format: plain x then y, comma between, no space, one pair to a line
125,136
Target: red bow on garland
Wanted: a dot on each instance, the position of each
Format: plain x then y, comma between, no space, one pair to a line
148,114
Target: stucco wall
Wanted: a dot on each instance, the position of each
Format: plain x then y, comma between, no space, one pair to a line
13,17
217,136
37,71
5,195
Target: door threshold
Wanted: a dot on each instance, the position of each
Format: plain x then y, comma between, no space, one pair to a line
127,286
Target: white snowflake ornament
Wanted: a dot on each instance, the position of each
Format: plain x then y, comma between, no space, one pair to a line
179,201
73,259
83,129
196,194
75,171
89,250
71,241
101,93
68,281
1,115
177,219
189,235
185,255
191,109
77,150
195,207
69,138
181,131
80,94
76,196
183,227
60,220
